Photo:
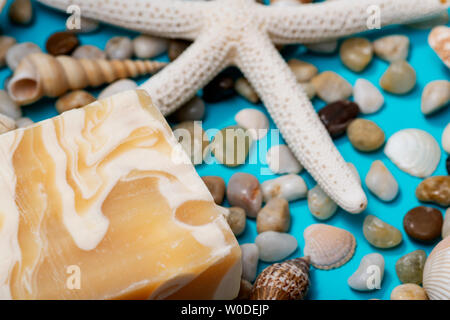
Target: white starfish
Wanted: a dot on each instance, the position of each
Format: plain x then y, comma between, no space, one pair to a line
243,33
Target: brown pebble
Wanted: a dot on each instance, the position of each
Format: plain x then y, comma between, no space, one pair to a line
220,88
435,189
244,191
5,43
176,48
423,223
216,185
365,135
236,220
62,43
338,115
245,290
73,100
21,12
275,216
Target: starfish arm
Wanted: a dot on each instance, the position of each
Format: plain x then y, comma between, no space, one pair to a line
333,19
169,19
181,79
298,122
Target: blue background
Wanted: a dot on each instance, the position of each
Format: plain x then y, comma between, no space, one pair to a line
399,112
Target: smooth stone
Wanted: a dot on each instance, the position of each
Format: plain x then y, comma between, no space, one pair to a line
5,43
250,257
231,146
19,51
409,268
303,71
320,204
220,88
367,96
331,87
6,124
435,96
445,139
254,121
435,189
74,100
24,122
216,186
399,78
275,216
381,182
392,48
408,291
193,140
244,191
280,160
369,274
446,224
354,171
86,26
8,106
275,246
381,234
117,87
88,52
21,12
193,110
244,290
146,47
176,48
326,47
290,187
236,220
245,89
423,223
356,53
309,89
365,135
337,116
119,48
62,43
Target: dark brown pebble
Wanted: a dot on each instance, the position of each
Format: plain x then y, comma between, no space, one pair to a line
216,185
220,88
338,115
176,48
62,43
423,223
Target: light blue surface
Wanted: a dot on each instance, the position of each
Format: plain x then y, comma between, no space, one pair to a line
398,113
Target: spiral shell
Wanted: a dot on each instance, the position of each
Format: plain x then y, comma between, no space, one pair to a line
436,274
288,280
439,40
40,75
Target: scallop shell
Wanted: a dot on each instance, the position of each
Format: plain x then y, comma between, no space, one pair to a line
436,274
288,280
328,247
439,40
414,151
40,75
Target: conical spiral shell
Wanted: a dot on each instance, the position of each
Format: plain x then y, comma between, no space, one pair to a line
288,280
328,247
436,274
40,75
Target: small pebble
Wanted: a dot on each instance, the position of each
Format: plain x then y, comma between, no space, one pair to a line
244,290
423,223
275,246
323,47
337,116
250,257
62,43
231,146
86,26
399,78
216,186
365,135
356,53
309,89
320,204
331,87
409,268
290,187
117,87
435,189
21,12
146,47
220,88
392,48
5,43
119,48
435,96
24,122
8,107
381,182
236,220
176,48
19,51
193,110
244,191
446,224
275,216
256,122
367,96
380,234
445,139
281,160
303,71
369,274
245,89
193,140
88,52
408,291
6,124
73,100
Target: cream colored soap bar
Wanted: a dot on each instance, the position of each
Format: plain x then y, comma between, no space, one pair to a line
99,203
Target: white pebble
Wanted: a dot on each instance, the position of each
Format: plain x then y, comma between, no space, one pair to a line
19,51
8,106
446,138
275,246
290,187
320,204
146,47
392,48
254,121
281,160
116,87
435,96
381,182
250,257
367,96
369,274
120,48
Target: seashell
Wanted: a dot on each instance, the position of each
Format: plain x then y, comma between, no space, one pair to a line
328,247
446,225
250,257
254,121
245,89
146,47
40,75
408,291
320,204
290,187
6,124
275,246
435,96
399,78
323,47
9,107
116,87
436,275
18,51
381,182
303,71
439,40
414,151
381,234
281,160
369,274
288,280
446,138
367,96
392,48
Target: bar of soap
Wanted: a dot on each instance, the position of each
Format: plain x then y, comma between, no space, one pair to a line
102,203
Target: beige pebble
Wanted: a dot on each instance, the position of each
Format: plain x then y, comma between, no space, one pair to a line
435,96
320,204
356,53
120,48
274,216
5,43
88,52
331,87
399,78
237,220
446,225
21,11
309,89
245,89
146,47
73,100
392,48
365,135
254,121
409,291
281,160
116,87
290,187
19,51
303,71
381,182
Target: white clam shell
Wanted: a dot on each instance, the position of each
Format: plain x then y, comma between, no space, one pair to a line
436,274
320,204
369,274
290,187
381,182
254,121
414,151
281,160
367,96
446,138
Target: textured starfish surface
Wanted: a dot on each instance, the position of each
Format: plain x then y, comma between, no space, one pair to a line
243,33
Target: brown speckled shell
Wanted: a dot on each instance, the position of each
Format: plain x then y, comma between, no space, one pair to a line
288,280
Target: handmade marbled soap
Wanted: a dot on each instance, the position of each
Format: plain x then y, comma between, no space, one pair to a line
104,189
